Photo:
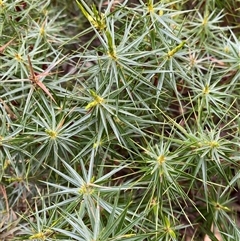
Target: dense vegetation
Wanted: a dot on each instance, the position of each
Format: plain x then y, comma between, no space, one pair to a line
119,120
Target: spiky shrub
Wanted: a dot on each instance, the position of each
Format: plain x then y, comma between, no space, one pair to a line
137,139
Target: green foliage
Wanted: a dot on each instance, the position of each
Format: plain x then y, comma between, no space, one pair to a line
127,125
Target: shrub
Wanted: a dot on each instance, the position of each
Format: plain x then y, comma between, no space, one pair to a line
128,129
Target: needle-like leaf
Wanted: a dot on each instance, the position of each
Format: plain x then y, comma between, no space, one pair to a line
5,45
35,78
